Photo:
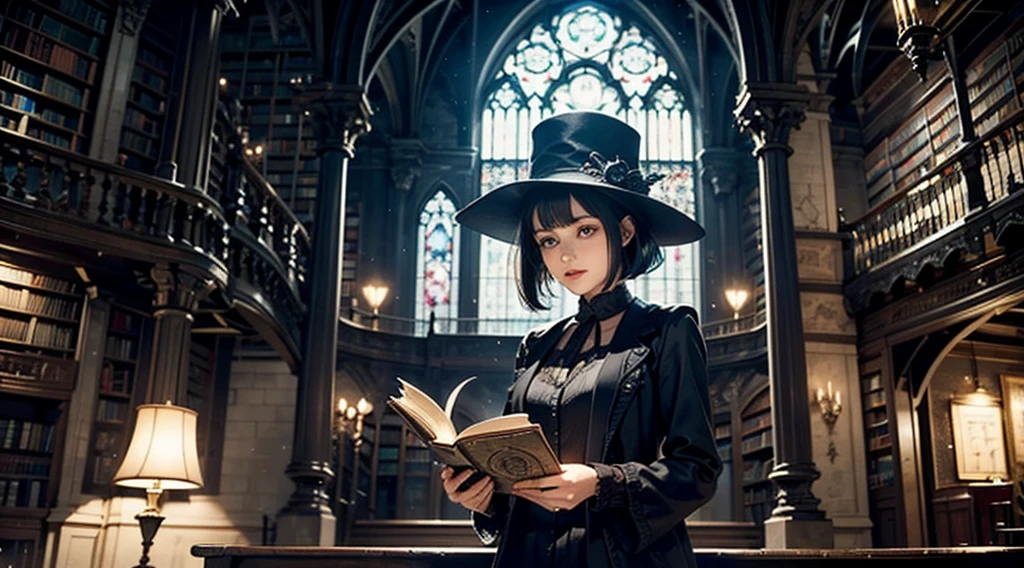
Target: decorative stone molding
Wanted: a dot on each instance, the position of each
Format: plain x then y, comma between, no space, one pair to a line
340,113
133,14
178,289
768,111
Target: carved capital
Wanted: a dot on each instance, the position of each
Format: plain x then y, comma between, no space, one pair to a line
133,13
178,289
718,167
340,114
769,111
406,162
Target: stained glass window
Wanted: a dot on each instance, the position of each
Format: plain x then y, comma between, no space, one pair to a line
436,264
587,58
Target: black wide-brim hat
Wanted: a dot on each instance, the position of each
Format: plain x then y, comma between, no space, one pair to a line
586,151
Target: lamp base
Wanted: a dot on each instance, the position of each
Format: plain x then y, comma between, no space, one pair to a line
149,523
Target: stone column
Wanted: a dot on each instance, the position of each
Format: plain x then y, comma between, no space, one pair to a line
177,297
341,114
768,112
720,171
185,153
118,66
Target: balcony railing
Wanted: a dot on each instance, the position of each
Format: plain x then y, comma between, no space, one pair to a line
514,327
242,233
991,168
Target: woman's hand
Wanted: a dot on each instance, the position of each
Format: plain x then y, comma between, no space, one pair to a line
576,483
475,498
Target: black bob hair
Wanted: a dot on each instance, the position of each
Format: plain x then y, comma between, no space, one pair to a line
640,256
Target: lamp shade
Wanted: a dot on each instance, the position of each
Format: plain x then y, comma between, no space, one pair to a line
163,448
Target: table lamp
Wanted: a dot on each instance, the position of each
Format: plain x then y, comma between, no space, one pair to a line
162,455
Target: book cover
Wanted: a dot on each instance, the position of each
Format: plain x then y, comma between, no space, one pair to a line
507,448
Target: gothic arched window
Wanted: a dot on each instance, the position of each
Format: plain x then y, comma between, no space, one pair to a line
436,261
587,58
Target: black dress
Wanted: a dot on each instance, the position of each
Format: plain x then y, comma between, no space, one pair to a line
558,399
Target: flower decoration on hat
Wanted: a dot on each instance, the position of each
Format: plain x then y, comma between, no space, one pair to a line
618,173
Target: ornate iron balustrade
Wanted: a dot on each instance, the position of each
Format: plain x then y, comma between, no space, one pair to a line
990,168
242,234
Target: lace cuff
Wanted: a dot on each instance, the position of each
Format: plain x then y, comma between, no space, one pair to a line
611,488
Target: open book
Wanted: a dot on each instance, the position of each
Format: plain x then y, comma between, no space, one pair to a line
508,448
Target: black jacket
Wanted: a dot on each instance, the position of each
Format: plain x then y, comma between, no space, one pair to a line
651,423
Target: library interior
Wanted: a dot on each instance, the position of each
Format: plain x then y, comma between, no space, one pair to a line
190,189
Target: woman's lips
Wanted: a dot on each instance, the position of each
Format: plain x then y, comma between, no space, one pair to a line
574,274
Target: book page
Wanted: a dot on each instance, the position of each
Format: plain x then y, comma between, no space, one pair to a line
496,424
424,408
449,405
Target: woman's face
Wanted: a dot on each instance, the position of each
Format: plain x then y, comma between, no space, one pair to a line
577,255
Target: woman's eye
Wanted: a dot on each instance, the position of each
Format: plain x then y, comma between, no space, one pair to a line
587,231
547,242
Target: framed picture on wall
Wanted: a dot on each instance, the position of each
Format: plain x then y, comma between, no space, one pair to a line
1013,413
978,438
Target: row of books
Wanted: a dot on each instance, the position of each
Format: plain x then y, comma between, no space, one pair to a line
18,276
116,380
26,435
881,472
120,348
138,143
759,421
881,439
14,329
51,335
124,322
146,100
111,411
873,399
45,83
723,430
22,492
69,35
755,470
149,78
85,13
874,382
43,49
152,59
141,121
282,146
24,465
757,441
51,137
23,299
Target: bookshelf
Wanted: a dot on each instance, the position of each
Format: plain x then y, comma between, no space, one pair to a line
992,80
148,93
39,327
876,432
258,70
49,68
757,453
116,398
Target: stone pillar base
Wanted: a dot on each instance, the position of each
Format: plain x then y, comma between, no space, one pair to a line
306,530
786,532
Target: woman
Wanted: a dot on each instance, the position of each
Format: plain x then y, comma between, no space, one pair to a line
620,389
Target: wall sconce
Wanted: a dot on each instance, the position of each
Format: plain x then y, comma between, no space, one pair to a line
736,297
831,405
162,455
350,416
